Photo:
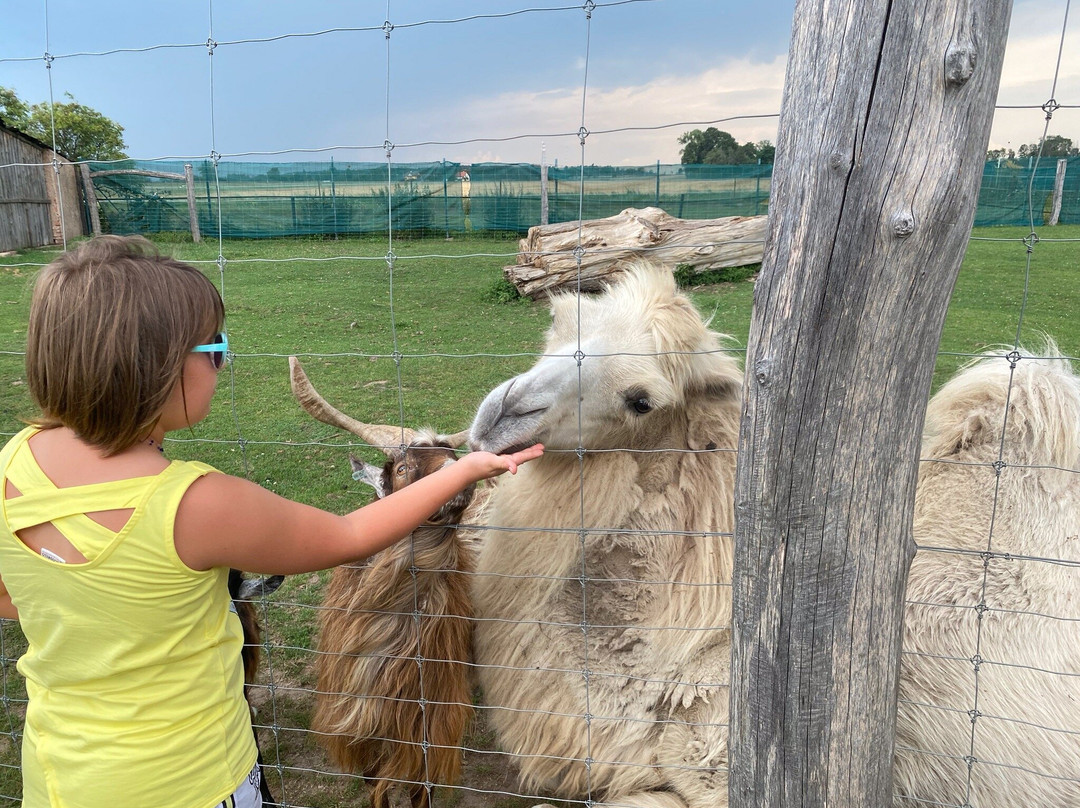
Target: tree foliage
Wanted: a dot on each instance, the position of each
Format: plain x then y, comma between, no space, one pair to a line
82,133
1054,146
716,147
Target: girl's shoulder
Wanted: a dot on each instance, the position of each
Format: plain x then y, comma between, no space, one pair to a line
69,461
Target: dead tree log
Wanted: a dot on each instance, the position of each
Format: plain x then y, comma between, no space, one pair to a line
548,256
883,132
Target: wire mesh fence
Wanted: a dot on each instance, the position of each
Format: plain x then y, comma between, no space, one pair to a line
598,672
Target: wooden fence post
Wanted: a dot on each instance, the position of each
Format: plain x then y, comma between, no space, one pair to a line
885,120
193,213
91,199
1059,190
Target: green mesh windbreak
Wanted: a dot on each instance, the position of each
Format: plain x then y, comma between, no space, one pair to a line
263,200
1003,198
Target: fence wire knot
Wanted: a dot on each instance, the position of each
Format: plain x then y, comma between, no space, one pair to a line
210,45
582,133
998,466
49,59
391,257
1031,241
589,8
215,157
387,147
974,715
977,661
1014,357
578,253
1050,107
387,27
971,760
397,356
579,355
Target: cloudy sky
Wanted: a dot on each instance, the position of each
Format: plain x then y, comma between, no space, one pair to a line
482,80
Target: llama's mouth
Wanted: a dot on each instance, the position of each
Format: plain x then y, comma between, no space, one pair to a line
516,447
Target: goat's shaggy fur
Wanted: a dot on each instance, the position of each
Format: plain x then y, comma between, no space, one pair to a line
618,565
1019,729
410,602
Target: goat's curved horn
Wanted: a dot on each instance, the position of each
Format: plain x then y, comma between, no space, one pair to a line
382,436
458,439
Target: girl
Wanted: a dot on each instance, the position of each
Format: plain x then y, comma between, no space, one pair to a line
115,560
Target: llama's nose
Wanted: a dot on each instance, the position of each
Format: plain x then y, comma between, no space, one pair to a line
520,400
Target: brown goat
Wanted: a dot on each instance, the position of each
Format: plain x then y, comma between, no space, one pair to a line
394,693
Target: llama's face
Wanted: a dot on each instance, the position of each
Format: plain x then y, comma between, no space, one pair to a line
617,372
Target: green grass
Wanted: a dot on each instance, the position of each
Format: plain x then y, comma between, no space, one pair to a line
457,331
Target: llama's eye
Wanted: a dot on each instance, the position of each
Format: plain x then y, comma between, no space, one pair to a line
641,406
400,469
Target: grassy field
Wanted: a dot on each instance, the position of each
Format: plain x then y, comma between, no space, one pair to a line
423,347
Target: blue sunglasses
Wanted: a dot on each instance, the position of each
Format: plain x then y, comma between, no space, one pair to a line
217,349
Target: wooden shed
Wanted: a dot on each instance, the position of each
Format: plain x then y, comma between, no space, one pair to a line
33,211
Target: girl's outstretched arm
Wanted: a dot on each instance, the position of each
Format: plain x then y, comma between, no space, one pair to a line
225,521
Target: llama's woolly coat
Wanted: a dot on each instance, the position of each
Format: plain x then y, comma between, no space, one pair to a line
1009,735
603,652
608,683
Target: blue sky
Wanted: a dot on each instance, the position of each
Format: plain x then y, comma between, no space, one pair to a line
512,85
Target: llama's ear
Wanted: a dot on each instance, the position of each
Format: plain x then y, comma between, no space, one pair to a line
369,475
716,376
713,405
722,387
568,310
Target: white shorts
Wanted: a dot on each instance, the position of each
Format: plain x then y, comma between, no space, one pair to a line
248,794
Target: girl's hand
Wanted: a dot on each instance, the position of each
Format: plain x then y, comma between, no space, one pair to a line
485,464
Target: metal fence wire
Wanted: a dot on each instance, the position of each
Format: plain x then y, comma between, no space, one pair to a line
583,739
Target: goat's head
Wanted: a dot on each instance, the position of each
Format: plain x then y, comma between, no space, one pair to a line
410,454
426,453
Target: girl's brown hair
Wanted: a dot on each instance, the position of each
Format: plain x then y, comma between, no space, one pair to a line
111,324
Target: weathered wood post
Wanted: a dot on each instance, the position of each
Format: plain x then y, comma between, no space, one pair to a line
1059,190
193,212
91,199
883,132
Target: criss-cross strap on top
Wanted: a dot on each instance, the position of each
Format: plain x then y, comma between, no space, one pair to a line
41,502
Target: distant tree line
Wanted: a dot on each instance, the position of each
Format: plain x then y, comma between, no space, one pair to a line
1054,146
82,133
716,147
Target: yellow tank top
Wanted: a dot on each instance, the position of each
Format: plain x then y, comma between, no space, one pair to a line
133,667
